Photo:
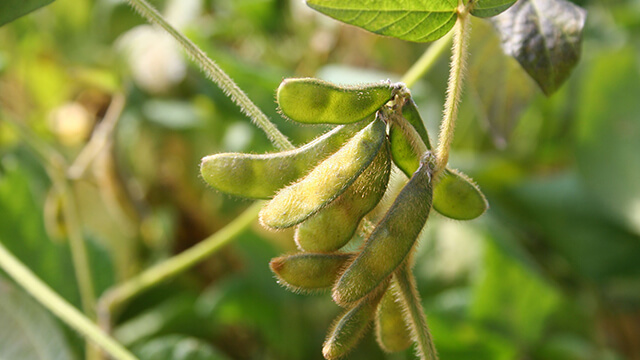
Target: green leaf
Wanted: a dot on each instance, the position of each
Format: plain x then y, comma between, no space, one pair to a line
28,331
488,8
545,36
608,128
419,21
458,197
13,9
176,347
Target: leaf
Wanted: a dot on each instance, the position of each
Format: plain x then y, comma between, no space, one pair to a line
608,134
28,331
420,21
13,9
500,91
545,36
176,347
488,8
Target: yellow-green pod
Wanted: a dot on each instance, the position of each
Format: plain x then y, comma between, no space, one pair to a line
412,115
261,176
349,328
332,227
456,196
309,272
392,332
313,101
327,181
391,240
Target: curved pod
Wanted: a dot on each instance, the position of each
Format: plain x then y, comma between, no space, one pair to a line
325,182
332,227
309,272
391,240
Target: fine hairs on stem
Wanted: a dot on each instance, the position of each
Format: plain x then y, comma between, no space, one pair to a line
454,88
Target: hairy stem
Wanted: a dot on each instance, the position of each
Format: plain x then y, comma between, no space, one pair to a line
215,73
414,313
454,88
427,60
120,294
60,307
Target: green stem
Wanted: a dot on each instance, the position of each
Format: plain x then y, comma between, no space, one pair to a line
215,73
61,308
454,88
169,268
427,60
78,246
415,315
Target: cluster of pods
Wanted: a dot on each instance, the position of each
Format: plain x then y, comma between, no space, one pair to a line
327,187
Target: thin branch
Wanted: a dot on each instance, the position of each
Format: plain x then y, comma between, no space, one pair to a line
60,307
427,60
173,266
100,138
216,74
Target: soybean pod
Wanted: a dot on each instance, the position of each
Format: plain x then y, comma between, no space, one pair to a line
327,181
392,332
314,101
332,227
308,271
350,327
391,240
261,176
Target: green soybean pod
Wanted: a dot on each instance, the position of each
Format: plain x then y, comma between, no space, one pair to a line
458,197
332,227
261,176
412,115
327,181
313,101
392,332
391,240
309,272
349,328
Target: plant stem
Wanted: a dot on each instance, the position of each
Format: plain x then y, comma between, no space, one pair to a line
414,313
427,60
215,73
60,307
117,296
454,88
78,247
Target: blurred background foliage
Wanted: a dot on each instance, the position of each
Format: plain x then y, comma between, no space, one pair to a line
552,271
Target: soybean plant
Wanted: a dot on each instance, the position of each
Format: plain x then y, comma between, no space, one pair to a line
328,187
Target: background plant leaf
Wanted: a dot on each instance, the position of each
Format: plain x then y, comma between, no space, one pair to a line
488,8
497,85
419,21
28,332
545,36
13,9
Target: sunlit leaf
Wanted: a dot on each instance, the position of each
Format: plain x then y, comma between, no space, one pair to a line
28,332
545,36
420,21
13,9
